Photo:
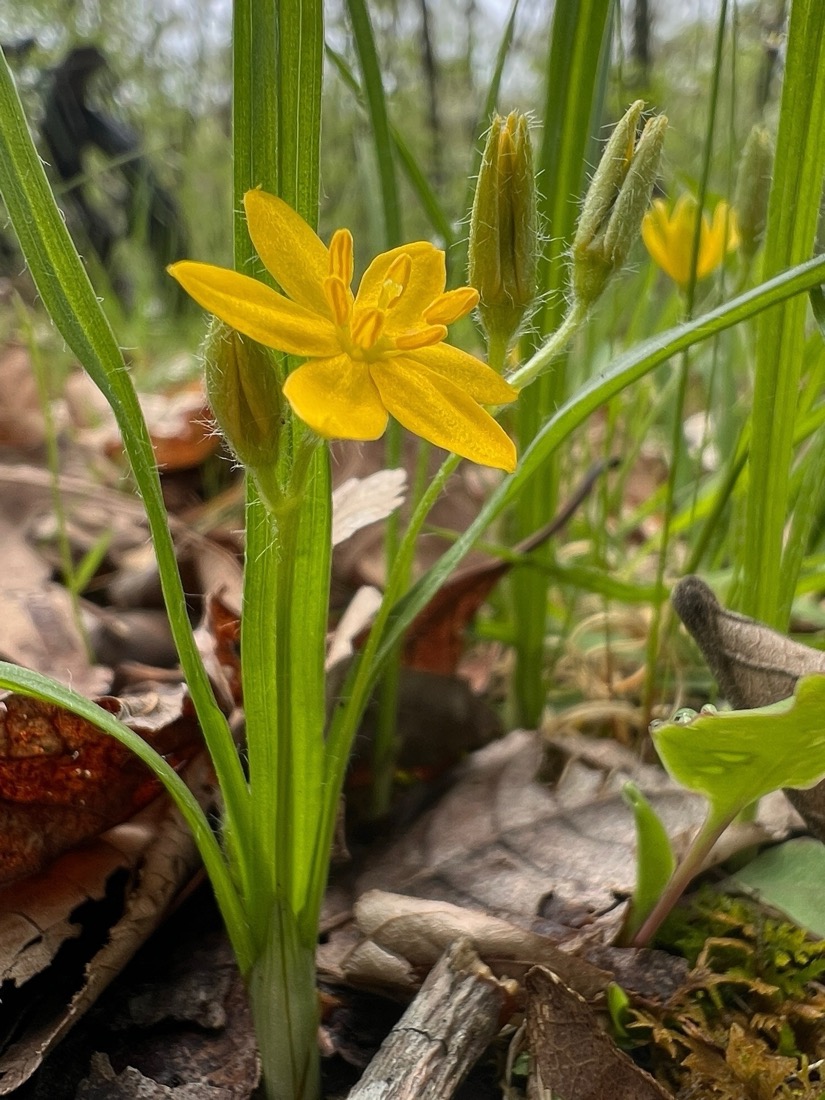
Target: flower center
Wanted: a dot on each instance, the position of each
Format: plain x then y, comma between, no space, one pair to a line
363,328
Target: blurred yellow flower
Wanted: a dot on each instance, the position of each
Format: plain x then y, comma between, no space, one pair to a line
380,351
669,237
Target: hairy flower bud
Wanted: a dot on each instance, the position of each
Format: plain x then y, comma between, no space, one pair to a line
616,202
503,233
753,186
244,394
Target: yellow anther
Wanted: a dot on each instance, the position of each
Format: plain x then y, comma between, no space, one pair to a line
339,297
367,328
340,255
421,338
448,307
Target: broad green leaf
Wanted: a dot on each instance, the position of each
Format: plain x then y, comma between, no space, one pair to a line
789,877
735,757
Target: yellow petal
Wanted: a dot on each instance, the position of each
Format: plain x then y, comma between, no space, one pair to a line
257,310
655,234
289,249
478,381
436,409
337,398
712,248
668,237
425,284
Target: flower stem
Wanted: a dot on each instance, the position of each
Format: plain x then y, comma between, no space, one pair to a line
284,1006
711,830
554,345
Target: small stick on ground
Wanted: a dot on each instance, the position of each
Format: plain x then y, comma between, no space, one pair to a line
442,1034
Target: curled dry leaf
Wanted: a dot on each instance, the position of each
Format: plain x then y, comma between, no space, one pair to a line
753,665
414,932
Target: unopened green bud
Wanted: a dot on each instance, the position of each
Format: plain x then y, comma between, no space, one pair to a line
753,187
244,394
616,202
503,234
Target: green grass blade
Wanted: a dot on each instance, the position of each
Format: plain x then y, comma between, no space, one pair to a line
577,56
289,558
487,111
26,682
379,119
72,304
430,202
793,214
627,369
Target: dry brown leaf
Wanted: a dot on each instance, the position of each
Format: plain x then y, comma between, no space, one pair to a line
39,628
572,1057
63,781
109,895
360,502
416,932
361,559
22,424
753,665
503,842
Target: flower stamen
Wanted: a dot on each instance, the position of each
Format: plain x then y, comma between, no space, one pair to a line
339,297
340,256
421,338
367,328
449,307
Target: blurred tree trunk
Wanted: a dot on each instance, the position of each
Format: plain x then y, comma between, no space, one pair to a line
430,66
640,41
772,40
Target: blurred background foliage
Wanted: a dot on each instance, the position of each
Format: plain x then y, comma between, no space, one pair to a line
168,78
166,82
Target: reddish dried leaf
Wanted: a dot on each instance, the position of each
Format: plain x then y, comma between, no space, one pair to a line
434,640
180,426
63,781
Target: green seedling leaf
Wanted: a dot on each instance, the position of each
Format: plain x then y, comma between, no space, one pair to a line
736,757
618,1006
655,861
789,878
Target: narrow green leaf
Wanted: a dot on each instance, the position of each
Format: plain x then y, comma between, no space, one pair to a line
577,57
628,368
26,682
373,85
418,181
655,861
793,215
67,294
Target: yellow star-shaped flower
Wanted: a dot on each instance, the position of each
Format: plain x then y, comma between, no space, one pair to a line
380,351
668,237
